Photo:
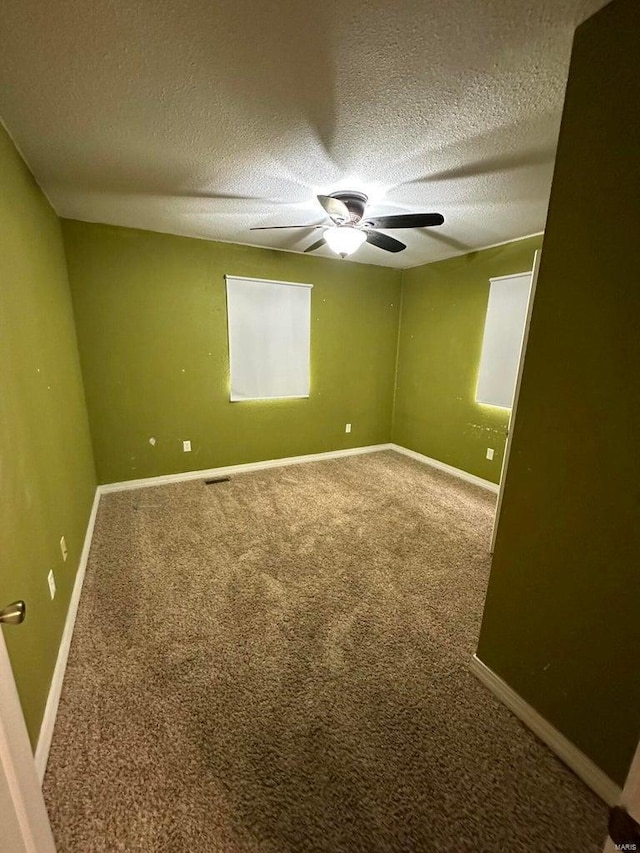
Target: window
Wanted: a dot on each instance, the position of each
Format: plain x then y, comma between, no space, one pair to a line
502,339
269,338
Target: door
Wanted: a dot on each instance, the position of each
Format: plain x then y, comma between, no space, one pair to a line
523,349
24,823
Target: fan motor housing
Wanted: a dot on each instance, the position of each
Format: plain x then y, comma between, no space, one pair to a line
354,201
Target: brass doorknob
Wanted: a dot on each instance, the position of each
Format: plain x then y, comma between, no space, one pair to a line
13,614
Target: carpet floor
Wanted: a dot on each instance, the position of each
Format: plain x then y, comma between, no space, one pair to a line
279,664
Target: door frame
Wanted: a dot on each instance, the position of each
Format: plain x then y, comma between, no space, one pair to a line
630,797
516,395
17,764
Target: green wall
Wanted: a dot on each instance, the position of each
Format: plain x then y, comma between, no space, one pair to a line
48,479
151,324
152,332
442,321
562,617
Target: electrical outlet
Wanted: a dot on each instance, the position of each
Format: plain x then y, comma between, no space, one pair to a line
186,446
347,427
490,453
52,584
63,549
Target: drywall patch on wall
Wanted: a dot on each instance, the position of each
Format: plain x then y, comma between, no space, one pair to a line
442,323
152,330
48,478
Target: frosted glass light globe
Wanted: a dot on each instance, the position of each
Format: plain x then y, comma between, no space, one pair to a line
344,240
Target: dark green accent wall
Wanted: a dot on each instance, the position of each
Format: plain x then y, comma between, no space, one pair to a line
46,464
152,331
562,618
443,311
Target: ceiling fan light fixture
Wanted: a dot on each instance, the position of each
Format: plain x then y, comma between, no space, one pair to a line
344,239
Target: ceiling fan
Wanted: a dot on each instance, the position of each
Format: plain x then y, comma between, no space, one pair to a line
350,229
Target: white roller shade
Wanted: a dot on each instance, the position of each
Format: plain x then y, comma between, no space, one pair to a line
269,338
502,339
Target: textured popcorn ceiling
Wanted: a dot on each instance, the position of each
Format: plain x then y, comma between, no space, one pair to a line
204,117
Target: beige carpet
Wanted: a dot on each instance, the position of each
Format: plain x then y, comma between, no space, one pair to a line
280,663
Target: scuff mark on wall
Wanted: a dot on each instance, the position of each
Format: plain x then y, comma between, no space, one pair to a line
484,428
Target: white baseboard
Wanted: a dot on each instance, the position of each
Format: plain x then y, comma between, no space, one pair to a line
581,765
448,469
51,708
243,468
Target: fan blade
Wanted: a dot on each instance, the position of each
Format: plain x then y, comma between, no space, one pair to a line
406,220
335,208
276,227
383,241
315,245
